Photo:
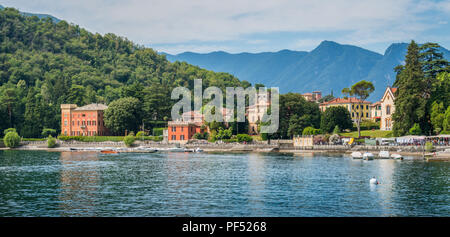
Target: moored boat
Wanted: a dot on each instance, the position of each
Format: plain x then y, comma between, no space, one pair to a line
397,156
109,152
384,154
368,156
356,155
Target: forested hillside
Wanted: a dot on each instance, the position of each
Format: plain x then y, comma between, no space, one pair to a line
44,64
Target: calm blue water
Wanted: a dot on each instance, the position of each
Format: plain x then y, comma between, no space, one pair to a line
35,183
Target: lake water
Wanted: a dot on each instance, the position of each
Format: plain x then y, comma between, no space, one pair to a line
39,183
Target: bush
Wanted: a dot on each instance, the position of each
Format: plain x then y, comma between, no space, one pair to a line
244,138
231,140
158,131
6,131
48,132
140,134
368,125
336,130
311,131
129,140
200,136
429,146
51,141
91,138
11,139
415,130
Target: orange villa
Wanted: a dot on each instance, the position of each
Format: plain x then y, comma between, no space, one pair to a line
83,121
192,122
182,131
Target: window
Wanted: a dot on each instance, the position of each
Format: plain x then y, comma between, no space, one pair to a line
182,130
353,106
174,137
367,115
353,114
94,122
78,122
65,133
174,129
65,122
388,109
73,123
367,107
182,137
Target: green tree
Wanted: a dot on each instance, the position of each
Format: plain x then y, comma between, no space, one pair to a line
76,95
6,131
46,132
336,130
51,142
129,140
437,116
335,116
296,114
361,90
123,114
11,139
446,122
415,129
410,101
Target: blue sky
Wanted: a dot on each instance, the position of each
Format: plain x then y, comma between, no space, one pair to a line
176,26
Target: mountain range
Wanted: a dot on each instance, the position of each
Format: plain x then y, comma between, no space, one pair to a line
329,68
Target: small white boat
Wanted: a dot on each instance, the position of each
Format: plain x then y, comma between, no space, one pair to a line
384,154
397,156
368,156
356,155
176,149
198,149
373,181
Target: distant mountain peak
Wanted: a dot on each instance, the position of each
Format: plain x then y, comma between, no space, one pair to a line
330,66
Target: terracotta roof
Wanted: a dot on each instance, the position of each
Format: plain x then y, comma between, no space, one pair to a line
345,101
93,107
393,89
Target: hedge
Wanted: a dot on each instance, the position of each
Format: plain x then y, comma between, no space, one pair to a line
105,138
158,131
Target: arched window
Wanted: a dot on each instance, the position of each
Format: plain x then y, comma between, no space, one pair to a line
388,109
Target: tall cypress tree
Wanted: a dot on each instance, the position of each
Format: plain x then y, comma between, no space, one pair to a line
410,101
433,63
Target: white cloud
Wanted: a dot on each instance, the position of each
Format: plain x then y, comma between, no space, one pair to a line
181,21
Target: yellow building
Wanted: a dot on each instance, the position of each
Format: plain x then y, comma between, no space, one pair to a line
353,105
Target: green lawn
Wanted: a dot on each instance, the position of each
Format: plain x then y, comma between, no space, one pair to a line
372,134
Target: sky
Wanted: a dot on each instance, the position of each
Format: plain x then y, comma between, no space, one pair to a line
175,26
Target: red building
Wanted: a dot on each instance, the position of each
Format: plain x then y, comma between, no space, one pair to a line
192,122
181,131
83,121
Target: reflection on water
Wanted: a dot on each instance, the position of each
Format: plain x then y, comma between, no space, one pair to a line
79,181
200,184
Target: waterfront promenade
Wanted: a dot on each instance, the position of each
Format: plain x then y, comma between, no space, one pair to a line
274,146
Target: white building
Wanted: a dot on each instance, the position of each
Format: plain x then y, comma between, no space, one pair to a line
387,108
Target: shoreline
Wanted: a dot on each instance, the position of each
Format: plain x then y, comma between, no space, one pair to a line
232,148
